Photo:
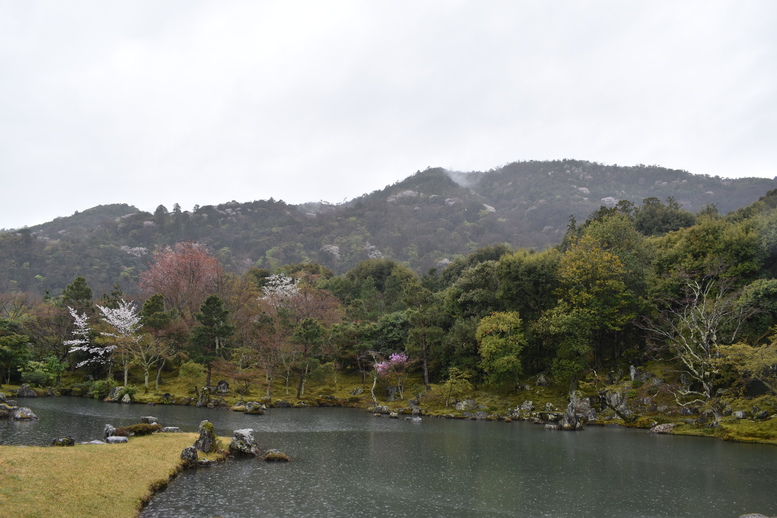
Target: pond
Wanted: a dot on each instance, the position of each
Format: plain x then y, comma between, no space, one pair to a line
346,463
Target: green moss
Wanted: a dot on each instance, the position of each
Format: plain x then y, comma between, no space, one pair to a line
750,431
276,456
138,430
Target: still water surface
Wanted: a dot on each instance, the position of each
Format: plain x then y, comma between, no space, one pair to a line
347,463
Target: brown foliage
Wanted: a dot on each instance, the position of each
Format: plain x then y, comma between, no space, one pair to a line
184,275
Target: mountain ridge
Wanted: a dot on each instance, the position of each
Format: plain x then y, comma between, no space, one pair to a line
425,220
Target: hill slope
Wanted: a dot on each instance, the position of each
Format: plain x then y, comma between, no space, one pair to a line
424,221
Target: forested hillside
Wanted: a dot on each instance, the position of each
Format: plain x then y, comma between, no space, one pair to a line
677,307
425,221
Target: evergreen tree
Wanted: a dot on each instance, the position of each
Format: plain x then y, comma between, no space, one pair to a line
209,339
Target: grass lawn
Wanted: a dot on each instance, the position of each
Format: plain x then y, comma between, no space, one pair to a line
87,480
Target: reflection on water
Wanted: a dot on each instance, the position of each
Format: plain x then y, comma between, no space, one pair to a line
348,463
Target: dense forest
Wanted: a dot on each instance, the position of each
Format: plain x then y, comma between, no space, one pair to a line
631,284
429,220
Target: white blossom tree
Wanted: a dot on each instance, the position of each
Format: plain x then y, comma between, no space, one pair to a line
125,321
82,342
280,287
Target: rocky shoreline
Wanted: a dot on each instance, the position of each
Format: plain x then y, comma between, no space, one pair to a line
608,407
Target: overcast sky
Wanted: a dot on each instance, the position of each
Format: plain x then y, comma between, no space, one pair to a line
163,102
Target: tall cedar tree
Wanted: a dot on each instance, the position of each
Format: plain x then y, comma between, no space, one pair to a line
209,339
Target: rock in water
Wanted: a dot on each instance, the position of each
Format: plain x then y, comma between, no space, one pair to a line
207,441
23,414
570,421
254,407
243,444
276,456
189,457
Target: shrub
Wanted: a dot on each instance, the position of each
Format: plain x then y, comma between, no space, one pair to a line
101,388
131,391
35,378
80,389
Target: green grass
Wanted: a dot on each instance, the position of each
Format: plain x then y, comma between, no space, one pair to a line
88,480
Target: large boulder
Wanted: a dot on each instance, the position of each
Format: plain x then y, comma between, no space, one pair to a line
571,421
26,391
663,428
116,439
207,441
204,399
114,394
467,404
23,414
254,407
243,444
583,408
618,402
189,457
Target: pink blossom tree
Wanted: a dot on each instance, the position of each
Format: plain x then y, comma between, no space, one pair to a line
395,370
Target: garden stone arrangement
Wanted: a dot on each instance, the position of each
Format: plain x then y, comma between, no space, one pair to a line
9,409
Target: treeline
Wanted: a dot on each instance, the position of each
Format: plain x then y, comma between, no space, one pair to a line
630,284
428,220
